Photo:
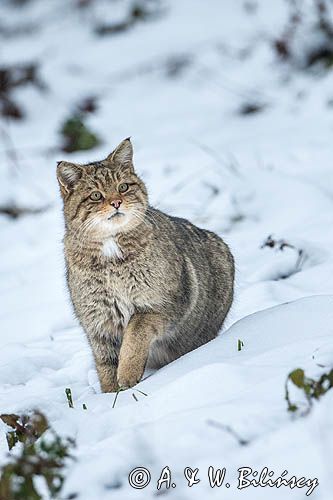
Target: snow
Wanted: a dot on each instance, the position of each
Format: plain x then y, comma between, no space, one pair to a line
245,177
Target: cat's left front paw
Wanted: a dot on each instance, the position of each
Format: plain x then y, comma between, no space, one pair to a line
127,377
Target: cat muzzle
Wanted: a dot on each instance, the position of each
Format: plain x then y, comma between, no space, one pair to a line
116,215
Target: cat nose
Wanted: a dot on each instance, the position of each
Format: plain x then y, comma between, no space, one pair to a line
116,203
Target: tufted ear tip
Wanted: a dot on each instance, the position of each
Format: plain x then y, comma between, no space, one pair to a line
123,154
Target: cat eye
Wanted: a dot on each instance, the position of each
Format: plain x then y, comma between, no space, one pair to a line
96,196
123,187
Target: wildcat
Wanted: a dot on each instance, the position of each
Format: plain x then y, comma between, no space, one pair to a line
146,287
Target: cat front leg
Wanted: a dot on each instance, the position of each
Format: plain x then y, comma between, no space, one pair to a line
140,331
107,374
106,353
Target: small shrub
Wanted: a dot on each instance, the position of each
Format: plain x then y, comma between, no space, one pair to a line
75,133
12,77
14,211
251,108
77,136
307,39
311,388
41,453
280,245
139,11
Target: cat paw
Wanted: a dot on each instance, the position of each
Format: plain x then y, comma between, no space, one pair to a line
127,379
110,386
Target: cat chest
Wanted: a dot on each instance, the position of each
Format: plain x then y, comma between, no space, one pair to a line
108,300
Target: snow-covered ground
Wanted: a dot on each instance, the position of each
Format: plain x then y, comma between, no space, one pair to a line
176,83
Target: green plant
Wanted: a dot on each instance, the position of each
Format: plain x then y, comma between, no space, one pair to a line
312,389
69,397
41,454
77,135
240,345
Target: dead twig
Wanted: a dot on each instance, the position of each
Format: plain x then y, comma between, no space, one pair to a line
229,430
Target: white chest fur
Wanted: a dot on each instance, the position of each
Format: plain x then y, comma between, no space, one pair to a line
111,249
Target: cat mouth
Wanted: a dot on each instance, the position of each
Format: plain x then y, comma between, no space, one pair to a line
116,215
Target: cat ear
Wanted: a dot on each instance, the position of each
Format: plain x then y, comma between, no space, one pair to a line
68,175
123,154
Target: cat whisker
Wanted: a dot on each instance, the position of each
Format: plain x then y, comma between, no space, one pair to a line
84,227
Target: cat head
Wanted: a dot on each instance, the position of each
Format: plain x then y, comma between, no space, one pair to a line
102,199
